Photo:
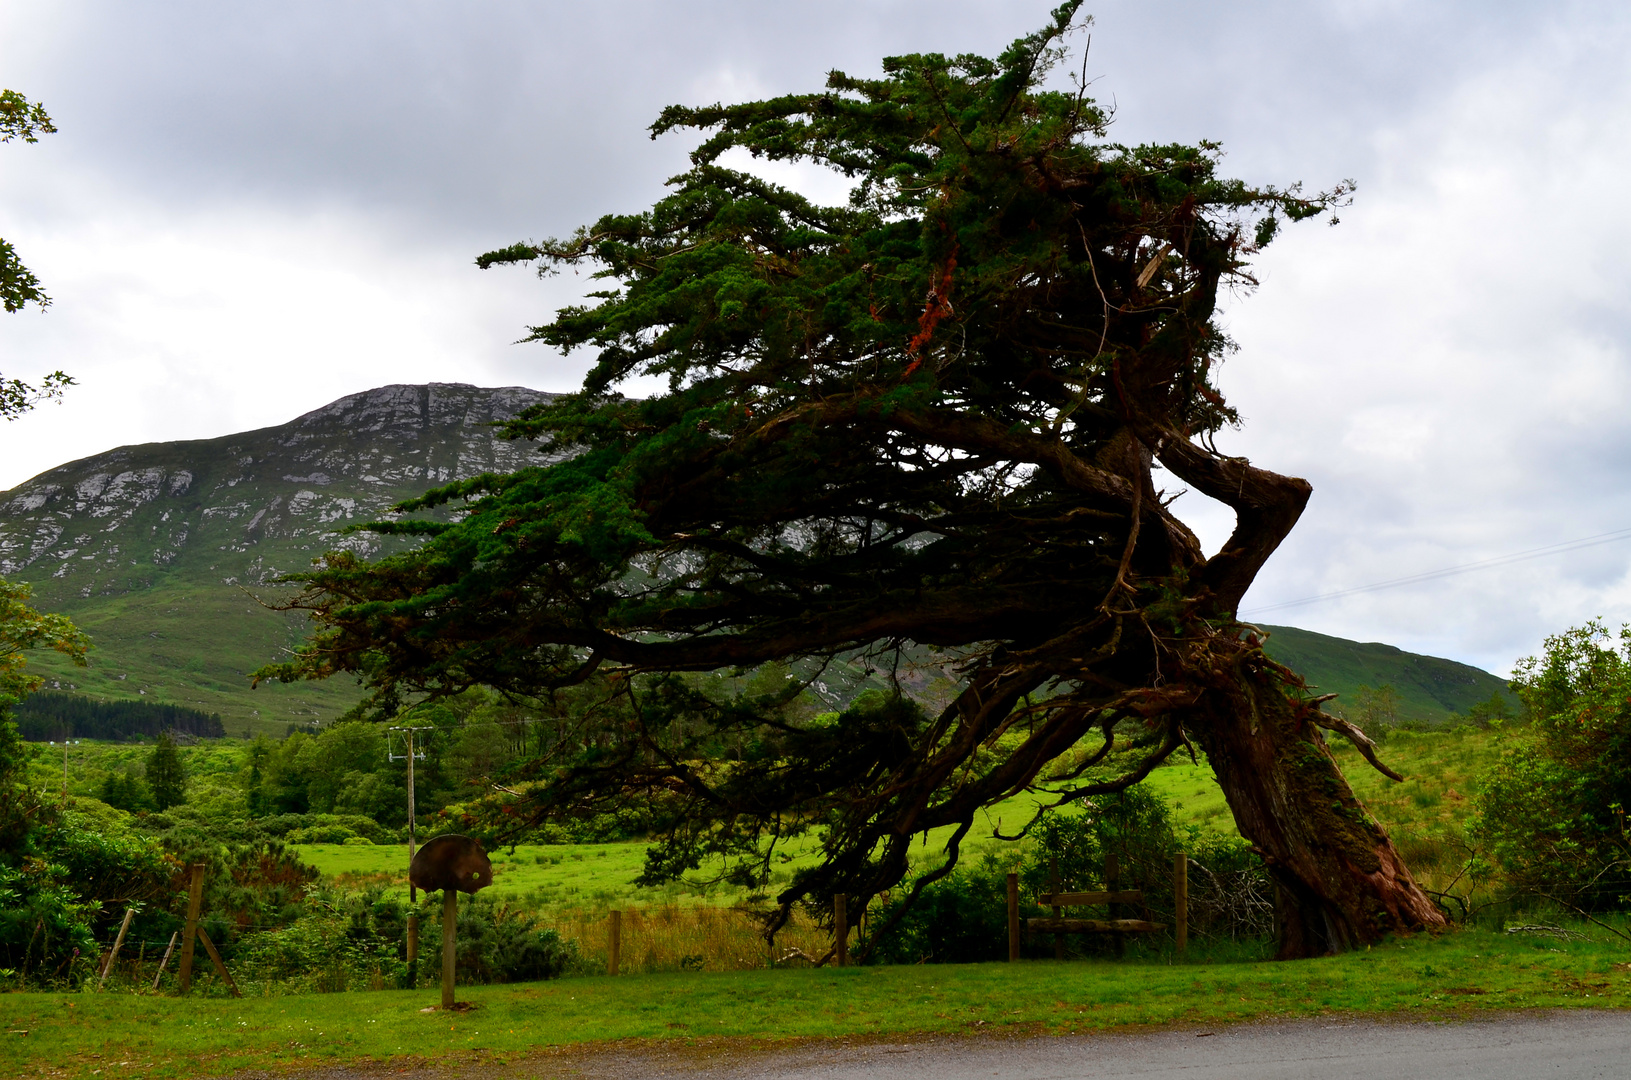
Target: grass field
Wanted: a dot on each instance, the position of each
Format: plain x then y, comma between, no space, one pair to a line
84,1035
1426,815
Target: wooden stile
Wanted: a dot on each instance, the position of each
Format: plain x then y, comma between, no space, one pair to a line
1112,884
1053,901
1085,899
1094,926
1110,898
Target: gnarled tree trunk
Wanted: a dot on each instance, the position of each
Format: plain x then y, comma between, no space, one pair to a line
1342,883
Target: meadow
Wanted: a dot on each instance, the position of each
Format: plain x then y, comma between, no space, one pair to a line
696,924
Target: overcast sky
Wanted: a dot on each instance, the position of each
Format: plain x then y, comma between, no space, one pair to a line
251,210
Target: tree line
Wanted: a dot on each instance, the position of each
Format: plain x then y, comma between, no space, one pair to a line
53,715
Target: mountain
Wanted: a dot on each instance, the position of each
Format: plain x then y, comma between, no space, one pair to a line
1429,688
162,552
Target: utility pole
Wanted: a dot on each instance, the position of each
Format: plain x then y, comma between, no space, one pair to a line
65,745
410,755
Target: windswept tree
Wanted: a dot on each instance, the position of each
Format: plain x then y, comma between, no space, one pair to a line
930,419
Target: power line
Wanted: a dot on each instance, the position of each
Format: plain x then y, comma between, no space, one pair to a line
1451,571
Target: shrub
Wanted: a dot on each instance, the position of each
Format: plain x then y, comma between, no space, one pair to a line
498,941
962,918
81,867
336,943
1552,809
325,828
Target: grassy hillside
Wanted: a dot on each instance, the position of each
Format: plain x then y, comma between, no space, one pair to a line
1428,688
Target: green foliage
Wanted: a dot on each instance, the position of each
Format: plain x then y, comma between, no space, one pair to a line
67,888
1553,807
44,926
23,629
498,941
20,118
126,791
962,917
335,944
166,775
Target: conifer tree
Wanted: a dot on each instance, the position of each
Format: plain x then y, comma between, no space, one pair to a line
927,424
166,774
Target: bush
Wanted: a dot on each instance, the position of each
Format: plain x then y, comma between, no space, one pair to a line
337,943
962,918
326,828
1552,809
82,865
498,942
125,791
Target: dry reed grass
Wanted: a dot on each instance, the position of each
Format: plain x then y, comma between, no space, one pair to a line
673,937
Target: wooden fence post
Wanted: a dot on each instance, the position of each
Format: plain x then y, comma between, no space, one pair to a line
215,958
450,936
413,949
1058,912
118,941
195,897
614,942
1112,883
1180,901
840,929
1013,917
159,974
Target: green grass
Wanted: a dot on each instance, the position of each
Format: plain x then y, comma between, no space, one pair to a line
1426,816
78,1035
1441,770
601,875
571,874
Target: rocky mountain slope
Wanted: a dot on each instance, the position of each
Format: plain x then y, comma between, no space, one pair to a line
163,552
167,553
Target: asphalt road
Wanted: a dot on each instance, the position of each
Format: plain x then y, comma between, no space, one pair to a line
1515,1046
1556,1046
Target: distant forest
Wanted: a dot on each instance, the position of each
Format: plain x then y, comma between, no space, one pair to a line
52,715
